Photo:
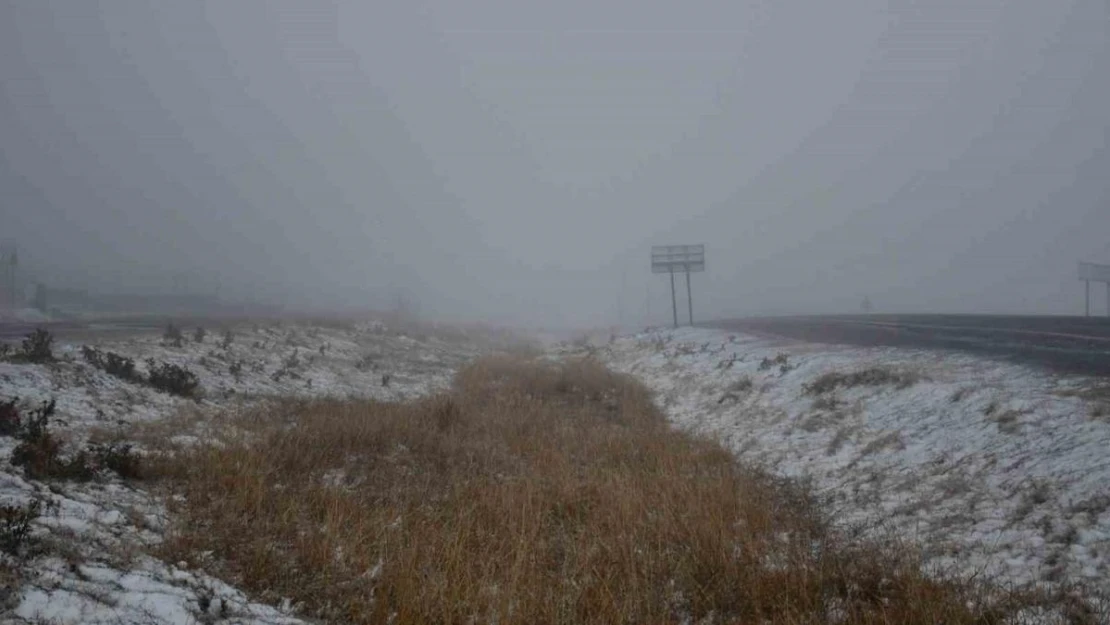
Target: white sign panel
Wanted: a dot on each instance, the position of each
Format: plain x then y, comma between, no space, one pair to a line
1094,273
677,258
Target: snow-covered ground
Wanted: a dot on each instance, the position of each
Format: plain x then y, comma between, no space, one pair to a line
92,540
993,468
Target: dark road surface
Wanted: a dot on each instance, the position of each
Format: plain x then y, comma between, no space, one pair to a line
105,328
1067,344
12,332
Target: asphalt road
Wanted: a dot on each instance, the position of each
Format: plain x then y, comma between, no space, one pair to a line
108,327
1066,344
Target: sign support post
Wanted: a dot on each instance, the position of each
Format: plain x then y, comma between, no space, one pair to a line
674,302
671,259
1088,273
689,296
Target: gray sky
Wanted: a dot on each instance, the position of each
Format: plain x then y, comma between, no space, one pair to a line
514,161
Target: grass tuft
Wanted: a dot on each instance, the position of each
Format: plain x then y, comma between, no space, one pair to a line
872,376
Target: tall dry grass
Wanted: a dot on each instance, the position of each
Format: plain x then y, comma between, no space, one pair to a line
531,493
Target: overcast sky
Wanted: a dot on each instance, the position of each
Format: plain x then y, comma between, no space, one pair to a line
514,161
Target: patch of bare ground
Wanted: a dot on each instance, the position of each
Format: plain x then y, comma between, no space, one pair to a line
530,493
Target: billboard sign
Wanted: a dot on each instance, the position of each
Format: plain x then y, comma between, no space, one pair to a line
1091,272
677,258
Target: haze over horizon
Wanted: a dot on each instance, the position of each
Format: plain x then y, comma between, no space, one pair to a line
514,161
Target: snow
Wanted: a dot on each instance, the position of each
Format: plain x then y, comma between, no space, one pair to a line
94,539
993,468
149,593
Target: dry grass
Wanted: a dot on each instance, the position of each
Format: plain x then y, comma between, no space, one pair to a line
1009,421
532,493
871,376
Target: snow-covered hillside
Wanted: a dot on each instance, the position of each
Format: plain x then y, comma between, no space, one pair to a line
994,468
90,561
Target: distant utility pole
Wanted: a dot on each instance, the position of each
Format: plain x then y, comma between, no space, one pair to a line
684,258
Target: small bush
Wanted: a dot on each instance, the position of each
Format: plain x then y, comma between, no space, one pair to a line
173,335
727,363
743,385
9,419
39,452
289,367
199,335
38,347
37,422
16,523
737,389
236,370
872,376
120,366
92,356
118,457
781,361
111,363
227,340
960,394
173,379
5,351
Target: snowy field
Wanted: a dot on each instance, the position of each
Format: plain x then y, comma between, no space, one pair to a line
89,560
995,469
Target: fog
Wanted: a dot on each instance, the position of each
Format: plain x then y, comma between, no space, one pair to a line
514,161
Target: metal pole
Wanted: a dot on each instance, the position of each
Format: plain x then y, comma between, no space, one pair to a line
620,300
674,301
689,295
1087,284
